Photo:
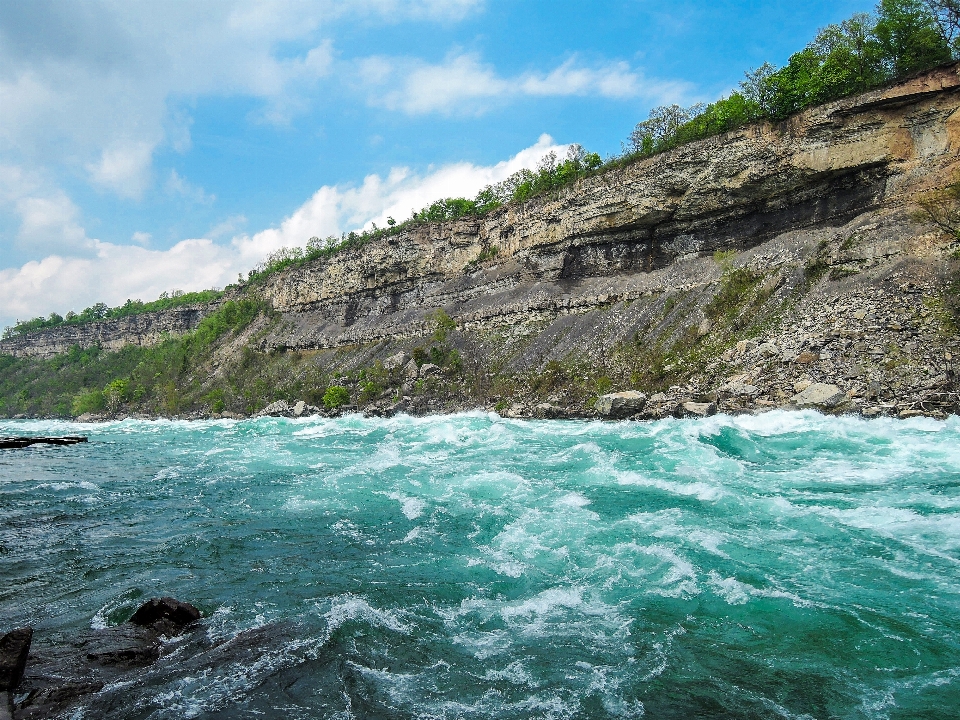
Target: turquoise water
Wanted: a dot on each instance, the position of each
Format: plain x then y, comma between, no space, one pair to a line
788,565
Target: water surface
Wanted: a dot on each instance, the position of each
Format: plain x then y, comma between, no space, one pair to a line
788,565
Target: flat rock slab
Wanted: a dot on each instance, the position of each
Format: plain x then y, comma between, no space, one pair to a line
52,701
821,395
696,409
14,648
621,404
23,441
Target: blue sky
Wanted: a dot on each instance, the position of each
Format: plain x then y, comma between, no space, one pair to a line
148,146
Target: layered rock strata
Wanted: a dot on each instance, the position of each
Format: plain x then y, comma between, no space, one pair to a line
144,330
819,210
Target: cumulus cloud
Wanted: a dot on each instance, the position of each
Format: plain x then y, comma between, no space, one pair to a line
112,273
48,219
334,209
462,84
92,82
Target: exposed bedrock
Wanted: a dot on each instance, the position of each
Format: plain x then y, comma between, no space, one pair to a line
146,329
641,228
629,256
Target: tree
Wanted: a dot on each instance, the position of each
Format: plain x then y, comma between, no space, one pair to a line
909,36
946,13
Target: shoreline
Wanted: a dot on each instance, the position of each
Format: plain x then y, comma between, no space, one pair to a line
585,417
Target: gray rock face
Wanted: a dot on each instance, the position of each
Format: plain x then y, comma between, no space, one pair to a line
621,404
411,370
428,369
396,361
819,395
14,648
696,409
280,408
147,329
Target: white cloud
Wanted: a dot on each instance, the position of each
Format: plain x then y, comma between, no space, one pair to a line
336,209
89,84
141,238
112,273
462,84
178,185
48,219
124,168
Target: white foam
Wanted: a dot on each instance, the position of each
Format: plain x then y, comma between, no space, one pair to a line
730,589
354,607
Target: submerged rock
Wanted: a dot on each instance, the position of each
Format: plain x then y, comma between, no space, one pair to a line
165,611
52,701
621,404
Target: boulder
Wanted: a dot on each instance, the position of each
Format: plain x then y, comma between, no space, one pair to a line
738,389
396,361
696,409
621,404
165,610
299,408
280,408
806,357
768,350
820,395
428,369
14,648
411,370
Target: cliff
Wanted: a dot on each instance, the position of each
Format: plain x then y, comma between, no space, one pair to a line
142,330
643,228
769,258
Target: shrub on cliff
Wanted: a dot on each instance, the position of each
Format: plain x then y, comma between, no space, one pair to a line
336,396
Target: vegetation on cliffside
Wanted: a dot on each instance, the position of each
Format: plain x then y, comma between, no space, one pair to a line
100,311
865,51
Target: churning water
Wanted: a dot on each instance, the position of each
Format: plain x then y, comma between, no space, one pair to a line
785,565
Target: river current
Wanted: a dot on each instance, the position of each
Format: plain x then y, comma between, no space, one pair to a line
787,565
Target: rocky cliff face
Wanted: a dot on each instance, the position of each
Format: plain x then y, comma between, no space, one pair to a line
640,229
740,270
146,329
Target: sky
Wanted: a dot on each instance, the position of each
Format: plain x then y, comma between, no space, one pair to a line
160,145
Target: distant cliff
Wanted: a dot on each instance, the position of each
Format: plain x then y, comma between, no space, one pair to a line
736,270
143,330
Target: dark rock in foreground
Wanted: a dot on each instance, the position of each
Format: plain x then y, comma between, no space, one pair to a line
57,678
14,648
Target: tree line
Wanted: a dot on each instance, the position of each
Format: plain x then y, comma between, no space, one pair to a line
900,38
101,311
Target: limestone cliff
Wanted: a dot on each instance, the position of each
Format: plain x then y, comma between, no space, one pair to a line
740,269
643,228
144,330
